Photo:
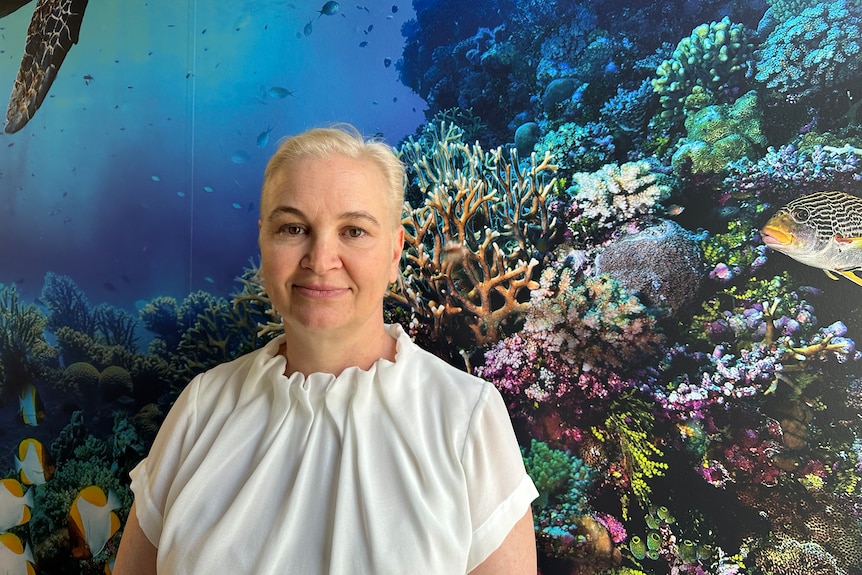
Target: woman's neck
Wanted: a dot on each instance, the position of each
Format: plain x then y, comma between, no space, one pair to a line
310,352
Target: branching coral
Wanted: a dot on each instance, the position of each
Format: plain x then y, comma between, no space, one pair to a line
613,195
24,352
812,53
67,304
706,66
641,458
787,172
472,248
580,342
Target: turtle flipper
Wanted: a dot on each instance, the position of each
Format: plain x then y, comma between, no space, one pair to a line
53,29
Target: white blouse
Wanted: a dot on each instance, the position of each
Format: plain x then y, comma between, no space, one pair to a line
409,467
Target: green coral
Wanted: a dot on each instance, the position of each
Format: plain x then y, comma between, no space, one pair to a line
25,354
713,59
80,375
563,481
573,147
632,430
718,135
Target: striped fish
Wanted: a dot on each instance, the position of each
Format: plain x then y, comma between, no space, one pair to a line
822,230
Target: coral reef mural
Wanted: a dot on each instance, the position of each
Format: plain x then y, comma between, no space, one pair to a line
620,215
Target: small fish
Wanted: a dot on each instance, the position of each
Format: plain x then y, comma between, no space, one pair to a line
15,504
330,8
363,44
208,189
87,79
307,29
155,178
32,410
822,230
387,62
33,463
15,557
279,93
236,206
263,138
239,157
394,8
92,521
209,279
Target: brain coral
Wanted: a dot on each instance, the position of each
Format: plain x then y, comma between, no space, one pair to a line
662,264
81,375
816,51
116,379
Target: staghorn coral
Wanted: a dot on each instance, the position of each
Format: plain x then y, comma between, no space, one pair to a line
75,346
705,68
471,249
812,53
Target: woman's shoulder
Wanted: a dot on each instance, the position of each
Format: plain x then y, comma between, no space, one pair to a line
239,369
434,373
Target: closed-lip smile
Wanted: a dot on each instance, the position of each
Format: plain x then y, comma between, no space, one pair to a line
320,291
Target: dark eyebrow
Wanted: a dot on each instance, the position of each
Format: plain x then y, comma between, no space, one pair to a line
352,215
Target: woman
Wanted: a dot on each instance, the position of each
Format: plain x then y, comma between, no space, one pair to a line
341,446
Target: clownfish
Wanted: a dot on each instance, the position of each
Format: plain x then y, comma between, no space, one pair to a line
33,463
15,504
32,409
92,521
15,557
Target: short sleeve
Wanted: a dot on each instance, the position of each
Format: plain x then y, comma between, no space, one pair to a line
499,489
154,476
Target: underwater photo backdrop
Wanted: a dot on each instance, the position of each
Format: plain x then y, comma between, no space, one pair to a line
641,221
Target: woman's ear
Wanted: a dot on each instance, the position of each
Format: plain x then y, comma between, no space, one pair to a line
397,248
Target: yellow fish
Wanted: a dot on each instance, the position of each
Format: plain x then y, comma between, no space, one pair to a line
32,463
15,504
822,230
14,556
32,409
92,521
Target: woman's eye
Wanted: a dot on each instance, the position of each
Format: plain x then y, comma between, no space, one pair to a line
355,232
291,229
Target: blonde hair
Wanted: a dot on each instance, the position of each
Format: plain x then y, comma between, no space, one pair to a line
342,140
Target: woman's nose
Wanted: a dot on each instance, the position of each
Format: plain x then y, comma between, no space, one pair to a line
322,254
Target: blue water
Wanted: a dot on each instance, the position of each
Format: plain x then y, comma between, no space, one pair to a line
139,175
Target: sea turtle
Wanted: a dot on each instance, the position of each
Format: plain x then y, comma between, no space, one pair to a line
53,29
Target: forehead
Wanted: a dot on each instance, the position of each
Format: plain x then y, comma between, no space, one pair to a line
328,179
